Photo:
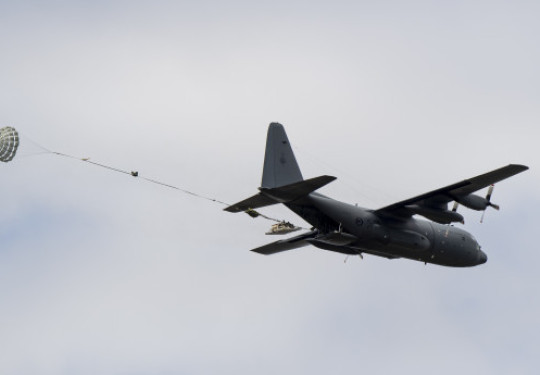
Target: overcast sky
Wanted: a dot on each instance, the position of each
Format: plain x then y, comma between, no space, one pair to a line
102,273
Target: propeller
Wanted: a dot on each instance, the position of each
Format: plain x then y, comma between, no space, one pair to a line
488,198
489,204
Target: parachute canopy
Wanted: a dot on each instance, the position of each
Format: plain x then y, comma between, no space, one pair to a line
9,142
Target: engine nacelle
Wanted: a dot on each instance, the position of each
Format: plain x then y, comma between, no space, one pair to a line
474,202
437,215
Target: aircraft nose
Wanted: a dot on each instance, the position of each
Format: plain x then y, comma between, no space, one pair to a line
482,257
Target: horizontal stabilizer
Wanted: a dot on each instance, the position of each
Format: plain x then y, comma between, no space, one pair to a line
289,193
284,245
256,201
282,194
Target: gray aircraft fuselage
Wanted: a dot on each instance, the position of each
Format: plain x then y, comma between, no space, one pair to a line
414,239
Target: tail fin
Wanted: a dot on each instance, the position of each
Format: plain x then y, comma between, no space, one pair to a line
280,166
282,180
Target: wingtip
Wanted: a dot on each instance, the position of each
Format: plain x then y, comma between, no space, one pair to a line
328,178
233,209
519,167
259,252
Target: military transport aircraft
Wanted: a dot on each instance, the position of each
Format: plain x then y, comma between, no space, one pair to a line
390,232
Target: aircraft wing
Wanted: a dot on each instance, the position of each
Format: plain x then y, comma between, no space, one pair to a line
438,199
287,244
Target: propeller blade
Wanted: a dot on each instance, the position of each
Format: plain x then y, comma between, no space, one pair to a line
490,191
488,198
495,206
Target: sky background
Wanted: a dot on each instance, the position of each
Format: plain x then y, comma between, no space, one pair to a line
101,273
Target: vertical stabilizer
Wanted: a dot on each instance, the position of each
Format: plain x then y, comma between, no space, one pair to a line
280,166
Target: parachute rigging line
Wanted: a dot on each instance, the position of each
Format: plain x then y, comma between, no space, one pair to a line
136,174
250,211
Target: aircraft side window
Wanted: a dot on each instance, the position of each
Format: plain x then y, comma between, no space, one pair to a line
359,221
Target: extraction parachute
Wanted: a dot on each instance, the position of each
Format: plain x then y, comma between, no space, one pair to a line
9,142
